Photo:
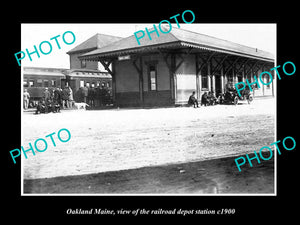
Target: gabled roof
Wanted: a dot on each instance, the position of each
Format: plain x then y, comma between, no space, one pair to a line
178,38
94,42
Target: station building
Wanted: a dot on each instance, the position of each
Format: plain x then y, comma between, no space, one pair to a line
167,69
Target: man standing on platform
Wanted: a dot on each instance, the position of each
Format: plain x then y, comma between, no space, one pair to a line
26,97
85,92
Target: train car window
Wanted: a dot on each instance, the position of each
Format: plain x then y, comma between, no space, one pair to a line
39,83
81,83
53,83
31,83
46,83
25,83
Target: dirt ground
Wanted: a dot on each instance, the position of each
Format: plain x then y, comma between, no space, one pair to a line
217,176
163,150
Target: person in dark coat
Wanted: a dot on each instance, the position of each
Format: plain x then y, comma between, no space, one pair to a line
92,95
97,96
211,98
85,93
46,95
55,107
65,97
57,96
204,99
193,101
41,107
71,98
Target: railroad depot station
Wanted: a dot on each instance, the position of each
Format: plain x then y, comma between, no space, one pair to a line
163,71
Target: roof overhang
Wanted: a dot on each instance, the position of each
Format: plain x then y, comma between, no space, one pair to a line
98,54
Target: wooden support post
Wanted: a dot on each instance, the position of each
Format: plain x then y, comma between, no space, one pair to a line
139,69
173,78
263,86
114,84
209,75
198,87
222,81
113,76
141,82
171,71
243,75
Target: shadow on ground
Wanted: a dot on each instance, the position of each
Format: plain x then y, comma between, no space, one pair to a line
216,176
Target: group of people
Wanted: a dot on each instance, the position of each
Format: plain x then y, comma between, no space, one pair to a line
53,100
208,98
94,96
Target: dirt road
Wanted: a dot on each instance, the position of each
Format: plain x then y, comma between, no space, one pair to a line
112,140
216,176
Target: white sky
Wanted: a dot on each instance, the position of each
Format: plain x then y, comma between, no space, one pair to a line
261,36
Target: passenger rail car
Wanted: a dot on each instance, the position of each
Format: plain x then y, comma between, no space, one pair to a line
35,80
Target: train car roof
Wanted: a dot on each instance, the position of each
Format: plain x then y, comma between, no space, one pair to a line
42,71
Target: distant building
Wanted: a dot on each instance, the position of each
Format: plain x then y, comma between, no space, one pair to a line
88,73
95,42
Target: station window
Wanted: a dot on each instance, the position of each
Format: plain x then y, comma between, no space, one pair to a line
266,79
152,78
108,85
83,63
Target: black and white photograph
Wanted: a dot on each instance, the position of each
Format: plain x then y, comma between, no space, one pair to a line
141,111
145,109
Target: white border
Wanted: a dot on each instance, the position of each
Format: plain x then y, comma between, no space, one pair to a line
175,195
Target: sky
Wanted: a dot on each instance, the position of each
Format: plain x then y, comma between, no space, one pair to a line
261,36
